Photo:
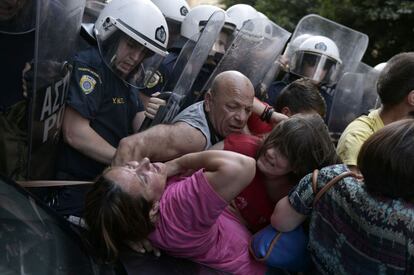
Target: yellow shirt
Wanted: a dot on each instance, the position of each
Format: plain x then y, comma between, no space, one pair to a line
355,134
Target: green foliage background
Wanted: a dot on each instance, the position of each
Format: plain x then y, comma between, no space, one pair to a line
388,23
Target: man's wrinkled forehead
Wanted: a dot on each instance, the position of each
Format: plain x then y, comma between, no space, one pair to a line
235,95
241,87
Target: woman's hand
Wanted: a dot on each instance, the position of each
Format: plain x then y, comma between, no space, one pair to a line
144,246
173,168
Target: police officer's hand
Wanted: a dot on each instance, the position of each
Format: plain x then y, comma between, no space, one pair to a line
153,105
284,62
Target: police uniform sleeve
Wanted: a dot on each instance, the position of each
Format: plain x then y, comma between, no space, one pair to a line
85,90
135,105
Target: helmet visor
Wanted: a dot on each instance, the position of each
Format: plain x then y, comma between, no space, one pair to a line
127,58
315,66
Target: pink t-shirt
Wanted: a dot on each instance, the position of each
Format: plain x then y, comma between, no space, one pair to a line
193,223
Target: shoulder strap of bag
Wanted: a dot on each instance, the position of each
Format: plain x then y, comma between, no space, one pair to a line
315,180
328,185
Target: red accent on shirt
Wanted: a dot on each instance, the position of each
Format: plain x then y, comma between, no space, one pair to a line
258,127
253,202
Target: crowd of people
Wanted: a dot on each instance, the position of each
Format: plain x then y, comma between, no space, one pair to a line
232,160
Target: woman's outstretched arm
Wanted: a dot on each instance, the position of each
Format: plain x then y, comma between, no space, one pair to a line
227,172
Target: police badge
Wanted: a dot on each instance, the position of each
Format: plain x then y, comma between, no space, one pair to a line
87,84
154,80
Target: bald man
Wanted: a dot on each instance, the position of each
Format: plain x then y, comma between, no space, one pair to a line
225,110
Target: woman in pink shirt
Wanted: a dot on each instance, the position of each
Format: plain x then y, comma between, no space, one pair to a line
185,216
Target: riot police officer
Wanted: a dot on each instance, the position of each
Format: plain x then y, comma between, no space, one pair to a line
132,38
191,29
174,12
317,58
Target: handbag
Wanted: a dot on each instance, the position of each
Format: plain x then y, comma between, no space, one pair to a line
288,250
285,250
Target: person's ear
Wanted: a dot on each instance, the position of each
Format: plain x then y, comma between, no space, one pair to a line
286,111
410,98
207,101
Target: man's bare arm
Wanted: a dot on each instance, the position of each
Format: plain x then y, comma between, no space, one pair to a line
259,107
160,143
137,121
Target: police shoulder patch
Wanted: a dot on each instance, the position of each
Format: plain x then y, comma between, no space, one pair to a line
154,80
87,84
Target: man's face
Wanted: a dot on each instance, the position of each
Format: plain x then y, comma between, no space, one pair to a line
318,67
220,45
129,55
229,109
10,8
314,73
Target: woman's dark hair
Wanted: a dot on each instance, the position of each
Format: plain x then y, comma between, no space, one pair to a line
114,217
386,160
304,140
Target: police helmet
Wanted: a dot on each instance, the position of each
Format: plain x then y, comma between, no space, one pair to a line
241,13
197,17
174,10
317,58
132,37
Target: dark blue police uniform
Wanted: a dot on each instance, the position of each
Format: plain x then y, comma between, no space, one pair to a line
110,105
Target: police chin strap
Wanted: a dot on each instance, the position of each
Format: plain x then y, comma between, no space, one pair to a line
113,58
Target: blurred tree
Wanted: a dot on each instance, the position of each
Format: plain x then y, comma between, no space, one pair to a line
228,3
388,23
